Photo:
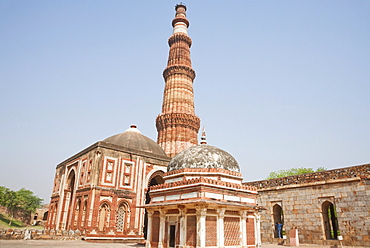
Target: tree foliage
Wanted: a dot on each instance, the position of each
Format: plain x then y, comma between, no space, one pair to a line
21,202
293,171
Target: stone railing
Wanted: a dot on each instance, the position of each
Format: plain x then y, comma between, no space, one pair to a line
39,234
360,171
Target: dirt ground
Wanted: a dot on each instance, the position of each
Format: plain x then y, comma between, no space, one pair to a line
84,244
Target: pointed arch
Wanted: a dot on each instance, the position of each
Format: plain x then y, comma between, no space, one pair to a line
278,217
123,217
77,212
154,178
330,220
103,216
70,193
83,217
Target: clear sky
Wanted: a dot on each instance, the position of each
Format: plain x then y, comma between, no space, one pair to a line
280,84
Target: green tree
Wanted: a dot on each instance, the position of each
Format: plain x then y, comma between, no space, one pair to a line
27,202
22,201
293,171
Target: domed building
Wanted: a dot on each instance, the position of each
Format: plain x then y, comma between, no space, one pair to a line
98,189
202,203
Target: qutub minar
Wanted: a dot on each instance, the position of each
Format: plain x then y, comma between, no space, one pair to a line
178,125
128,188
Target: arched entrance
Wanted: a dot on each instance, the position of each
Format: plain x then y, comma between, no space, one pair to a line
70,192
278,220
155,179
329,215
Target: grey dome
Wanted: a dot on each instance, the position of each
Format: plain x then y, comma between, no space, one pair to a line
133,139
203,156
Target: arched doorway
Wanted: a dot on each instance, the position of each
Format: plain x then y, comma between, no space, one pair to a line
155,179
70,192
329,215
45,216
278,220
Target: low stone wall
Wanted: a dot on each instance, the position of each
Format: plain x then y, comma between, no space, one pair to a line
360,171
39,234
302,198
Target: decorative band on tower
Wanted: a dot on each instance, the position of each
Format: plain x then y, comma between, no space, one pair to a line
178,125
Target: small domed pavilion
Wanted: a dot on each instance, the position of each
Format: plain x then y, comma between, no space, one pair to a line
202,203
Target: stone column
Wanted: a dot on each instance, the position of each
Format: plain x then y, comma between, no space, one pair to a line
149,229
201,227
243,227
162,223
258,229
220,227
182,227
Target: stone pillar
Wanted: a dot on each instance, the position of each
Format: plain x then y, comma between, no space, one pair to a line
294,239
258,229
182,227
220,227
201,227
149,229
162,223
243,227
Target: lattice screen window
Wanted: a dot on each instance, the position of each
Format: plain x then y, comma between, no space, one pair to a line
121,215
250,231
211,231
191,231
232,231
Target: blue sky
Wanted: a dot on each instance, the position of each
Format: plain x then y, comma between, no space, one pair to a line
280,84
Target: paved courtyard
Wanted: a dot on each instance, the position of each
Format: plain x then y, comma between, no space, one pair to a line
83,244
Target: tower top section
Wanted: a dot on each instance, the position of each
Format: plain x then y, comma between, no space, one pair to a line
180,23
178,125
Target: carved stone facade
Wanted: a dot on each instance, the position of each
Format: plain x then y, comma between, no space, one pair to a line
97,191
325,206
178,125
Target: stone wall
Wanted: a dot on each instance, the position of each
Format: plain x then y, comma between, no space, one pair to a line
39,234
301,199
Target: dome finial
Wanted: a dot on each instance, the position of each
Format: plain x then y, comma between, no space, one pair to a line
203,139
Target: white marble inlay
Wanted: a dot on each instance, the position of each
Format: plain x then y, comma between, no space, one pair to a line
213,196
172,197
174,180
232,198
189,195
248,200
157,199
180,27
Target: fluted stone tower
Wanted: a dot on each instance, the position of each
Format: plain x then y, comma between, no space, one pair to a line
178,125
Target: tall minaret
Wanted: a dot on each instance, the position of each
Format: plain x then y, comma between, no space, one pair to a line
178,125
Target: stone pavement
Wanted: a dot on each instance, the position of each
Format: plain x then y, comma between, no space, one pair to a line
84,244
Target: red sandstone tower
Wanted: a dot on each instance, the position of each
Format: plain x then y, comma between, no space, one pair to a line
178,125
